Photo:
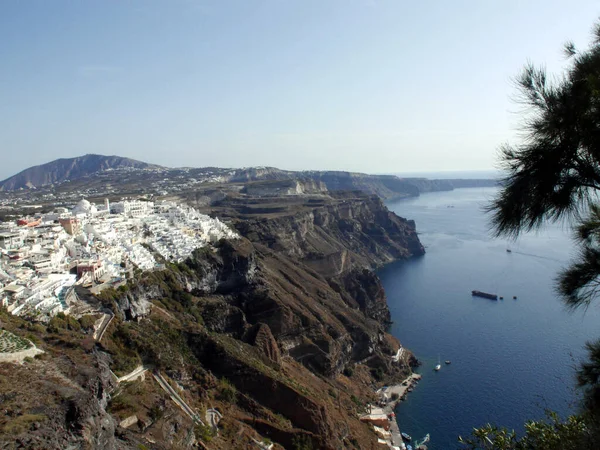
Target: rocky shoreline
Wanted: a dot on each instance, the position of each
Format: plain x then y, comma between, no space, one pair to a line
382,416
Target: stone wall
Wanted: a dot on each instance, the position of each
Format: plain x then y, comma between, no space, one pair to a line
20,356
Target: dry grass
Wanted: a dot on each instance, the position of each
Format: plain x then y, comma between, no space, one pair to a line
22,423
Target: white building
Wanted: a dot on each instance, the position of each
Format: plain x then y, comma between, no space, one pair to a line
132,208
11,240
36,261
84,209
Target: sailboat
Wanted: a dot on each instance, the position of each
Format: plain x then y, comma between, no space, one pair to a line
438,366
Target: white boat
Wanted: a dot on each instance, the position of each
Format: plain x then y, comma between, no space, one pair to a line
438,366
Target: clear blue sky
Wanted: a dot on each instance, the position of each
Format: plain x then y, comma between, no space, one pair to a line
363,85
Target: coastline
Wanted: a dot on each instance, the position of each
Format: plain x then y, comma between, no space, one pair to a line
383,418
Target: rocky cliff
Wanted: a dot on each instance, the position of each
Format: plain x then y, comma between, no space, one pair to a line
268,181
316,257
59,399
282,331
333,235
276,188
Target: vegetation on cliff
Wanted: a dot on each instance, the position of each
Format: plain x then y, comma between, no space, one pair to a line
284,348
222,345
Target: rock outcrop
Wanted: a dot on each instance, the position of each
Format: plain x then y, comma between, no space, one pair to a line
261,337
314,284
331,235
58,402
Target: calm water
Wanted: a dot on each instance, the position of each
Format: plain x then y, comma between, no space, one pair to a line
511,359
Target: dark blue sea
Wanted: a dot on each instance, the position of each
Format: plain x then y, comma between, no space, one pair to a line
511,359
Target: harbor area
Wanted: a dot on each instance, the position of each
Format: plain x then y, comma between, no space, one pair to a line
382,416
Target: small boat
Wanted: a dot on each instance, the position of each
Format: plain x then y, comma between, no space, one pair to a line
438,366
406,437
514,297
447,361
508,250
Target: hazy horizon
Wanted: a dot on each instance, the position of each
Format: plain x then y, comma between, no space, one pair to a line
372,86
444,174
441,174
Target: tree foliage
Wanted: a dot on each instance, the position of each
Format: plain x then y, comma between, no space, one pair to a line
575,433
554,172
551,175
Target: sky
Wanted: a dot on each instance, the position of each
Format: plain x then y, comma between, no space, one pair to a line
378,86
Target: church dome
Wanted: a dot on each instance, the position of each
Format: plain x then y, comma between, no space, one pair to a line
84,207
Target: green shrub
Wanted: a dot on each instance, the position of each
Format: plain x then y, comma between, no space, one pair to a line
33,338
62,322
22,423
204,432
377,373
156,413
302,442
121,403
227,392
87,322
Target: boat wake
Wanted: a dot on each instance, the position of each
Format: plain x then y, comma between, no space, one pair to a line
536,256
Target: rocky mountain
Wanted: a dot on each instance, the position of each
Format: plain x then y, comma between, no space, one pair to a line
283,332
97,175
64,169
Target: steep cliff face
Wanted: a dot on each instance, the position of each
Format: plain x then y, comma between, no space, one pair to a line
362,289
277,330
281,330
228,267
278,188
334,236
306,273
265,181
314,284
324,322
58,400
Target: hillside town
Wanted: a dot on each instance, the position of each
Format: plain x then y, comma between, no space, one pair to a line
43,258
142,183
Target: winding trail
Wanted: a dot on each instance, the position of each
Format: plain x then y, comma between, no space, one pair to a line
134,374
176,398
106,320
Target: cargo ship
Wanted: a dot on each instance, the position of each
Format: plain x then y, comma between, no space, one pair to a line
484,295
